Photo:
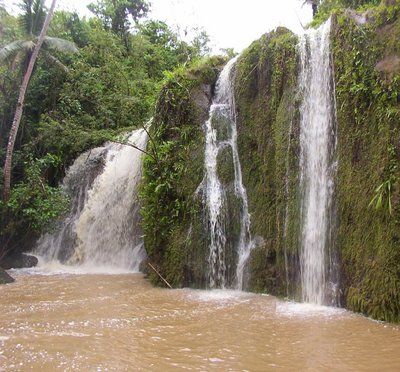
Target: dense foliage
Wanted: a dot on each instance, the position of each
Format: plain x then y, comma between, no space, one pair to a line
77,101
324,8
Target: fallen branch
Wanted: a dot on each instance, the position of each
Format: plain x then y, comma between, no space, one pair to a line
135,147
154,147
169,285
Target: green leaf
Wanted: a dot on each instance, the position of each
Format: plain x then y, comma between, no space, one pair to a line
10,50
60,45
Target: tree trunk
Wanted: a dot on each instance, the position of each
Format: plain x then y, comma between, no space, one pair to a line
20,103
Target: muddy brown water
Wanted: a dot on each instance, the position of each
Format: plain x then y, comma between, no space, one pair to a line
121,323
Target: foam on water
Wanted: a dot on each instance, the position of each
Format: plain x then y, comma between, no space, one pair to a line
55,267
218,295
296,309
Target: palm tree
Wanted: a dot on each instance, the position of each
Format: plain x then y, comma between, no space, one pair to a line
32,20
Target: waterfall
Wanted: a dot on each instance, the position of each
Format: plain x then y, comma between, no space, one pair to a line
317,165
103,226
286,221
223,112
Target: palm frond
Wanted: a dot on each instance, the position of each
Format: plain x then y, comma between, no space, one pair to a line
32,16
26,19
38,16
55,61
20,58
61,45
10,50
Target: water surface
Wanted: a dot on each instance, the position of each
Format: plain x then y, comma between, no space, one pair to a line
120,322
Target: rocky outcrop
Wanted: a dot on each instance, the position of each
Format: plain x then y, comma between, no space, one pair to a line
5,278
268,142
18,261
368,192
175,237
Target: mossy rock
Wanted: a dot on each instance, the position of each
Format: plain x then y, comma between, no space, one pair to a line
222,123
368,114
170,192
268,123
225,166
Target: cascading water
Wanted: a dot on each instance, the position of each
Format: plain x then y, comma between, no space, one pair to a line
102,229
317,165
286,223
223,112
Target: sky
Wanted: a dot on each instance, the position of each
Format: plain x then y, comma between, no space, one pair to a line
229,23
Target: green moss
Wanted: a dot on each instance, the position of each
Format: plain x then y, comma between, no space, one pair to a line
334,7
368,151
225,166
368,113
222,126
268,125
233,208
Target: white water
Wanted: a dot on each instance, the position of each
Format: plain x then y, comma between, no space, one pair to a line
286,223
224,106
102,230
317,141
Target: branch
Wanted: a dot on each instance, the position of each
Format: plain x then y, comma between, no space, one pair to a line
137,148
154,147
164,280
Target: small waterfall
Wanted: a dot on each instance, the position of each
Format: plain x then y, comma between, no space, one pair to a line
286,221
103,226
223,113
317,166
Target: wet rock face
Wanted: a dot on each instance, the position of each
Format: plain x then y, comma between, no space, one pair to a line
18,261
5,278
225,166
202,97
268,144
368,156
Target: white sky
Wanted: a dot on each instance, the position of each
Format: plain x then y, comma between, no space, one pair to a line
230,23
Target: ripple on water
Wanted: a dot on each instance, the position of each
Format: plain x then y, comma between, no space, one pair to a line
80,324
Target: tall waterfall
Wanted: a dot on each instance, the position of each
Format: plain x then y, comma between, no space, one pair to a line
223,113
103,226
317,165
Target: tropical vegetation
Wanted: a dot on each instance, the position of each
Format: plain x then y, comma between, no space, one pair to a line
94,78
